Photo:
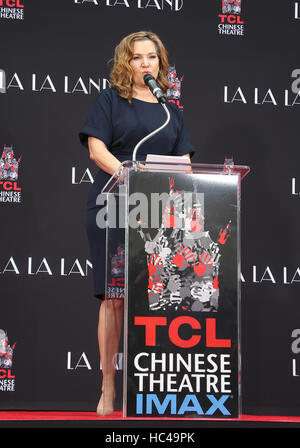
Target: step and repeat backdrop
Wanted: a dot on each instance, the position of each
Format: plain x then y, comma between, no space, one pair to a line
236,76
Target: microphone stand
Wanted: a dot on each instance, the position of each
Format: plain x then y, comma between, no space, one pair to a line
152,133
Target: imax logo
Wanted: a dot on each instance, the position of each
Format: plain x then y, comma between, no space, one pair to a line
190,403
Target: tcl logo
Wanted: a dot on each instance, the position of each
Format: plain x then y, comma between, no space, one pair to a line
7,185
231,18
6,374
11,3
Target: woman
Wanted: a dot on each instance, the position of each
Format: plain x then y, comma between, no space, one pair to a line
121,116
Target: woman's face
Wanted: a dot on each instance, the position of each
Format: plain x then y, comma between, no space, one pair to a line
144,60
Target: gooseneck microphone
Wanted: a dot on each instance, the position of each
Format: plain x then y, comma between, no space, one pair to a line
154,87
158,93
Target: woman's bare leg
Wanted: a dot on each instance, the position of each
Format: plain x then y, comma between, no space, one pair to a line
109,331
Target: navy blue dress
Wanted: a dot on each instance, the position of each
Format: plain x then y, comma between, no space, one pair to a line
121,125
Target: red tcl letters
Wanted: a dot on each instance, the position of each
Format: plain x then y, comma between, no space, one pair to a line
7,185
152,322
230,18
11,3
6,374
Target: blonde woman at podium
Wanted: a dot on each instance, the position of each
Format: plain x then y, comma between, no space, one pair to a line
121,116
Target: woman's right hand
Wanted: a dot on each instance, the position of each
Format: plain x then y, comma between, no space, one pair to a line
103,158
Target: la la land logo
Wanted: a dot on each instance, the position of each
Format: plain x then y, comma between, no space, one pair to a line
230,20
47,84
160,5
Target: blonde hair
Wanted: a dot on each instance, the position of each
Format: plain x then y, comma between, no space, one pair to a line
121,77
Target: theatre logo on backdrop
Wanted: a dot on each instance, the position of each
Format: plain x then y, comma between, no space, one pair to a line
175,85
230,21
7,379
12,9
10,191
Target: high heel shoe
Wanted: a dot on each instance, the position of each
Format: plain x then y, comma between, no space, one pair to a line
106,404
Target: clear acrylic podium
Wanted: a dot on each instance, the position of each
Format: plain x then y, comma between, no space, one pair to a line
172,325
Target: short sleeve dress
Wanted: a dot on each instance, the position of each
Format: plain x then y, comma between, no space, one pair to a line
121,125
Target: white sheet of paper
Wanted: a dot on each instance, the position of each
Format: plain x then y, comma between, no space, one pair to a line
175,162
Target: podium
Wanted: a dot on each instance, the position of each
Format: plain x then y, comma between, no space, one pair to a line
173,282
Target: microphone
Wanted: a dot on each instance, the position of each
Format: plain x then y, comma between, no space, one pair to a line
154,87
